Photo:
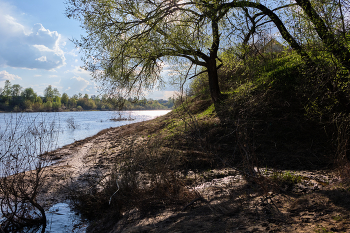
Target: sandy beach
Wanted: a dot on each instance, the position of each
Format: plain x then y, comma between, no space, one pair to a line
226,201
77,165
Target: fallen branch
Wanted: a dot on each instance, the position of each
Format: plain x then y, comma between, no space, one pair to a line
195,200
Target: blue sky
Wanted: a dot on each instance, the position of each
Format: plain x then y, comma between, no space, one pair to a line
35,50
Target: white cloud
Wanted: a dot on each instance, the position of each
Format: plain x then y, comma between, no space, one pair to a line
75,84
161,94
42,48
78,71
73,52
53,76
4,75
36,48
39,88
43,58
12,25
83,83
8,23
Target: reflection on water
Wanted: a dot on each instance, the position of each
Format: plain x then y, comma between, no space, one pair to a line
60,218
73,126
26,134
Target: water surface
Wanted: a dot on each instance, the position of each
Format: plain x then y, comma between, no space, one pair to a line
71,126
23,136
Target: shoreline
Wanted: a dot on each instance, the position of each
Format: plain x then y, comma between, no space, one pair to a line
82,163
73,164
124,110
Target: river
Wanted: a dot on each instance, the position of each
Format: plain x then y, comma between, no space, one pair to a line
24,135
71,126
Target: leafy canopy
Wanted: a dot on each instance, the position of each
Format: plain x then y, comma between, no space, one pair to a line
129,42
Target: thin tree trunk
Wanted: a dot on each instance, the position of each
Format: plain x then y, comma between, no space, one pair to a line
279,24
340,51
342,21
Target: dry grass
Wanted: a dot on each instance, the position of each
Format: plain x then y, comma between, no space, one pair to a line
158,165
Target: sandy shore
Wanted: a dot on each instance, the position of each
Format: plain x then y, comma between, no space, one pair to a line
75,166
229,203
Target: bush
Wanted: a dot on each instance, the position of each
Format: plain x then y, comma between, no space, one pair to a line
25,144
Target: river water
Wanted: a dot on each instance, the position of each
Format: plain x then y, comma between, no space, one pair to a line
35,133
70,126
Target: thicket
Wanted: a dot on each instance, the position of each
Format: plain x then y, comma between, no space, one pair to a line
279,97
24,155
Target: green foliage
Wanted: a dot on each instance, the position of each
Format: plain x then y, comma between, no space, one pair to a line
29,94
28,105
65,99
338,218
50,92
136,53
190,33
28,100
287,178
281,73
7,90
200,86
209,111
39,100
48,106
72,103
56,106
16,90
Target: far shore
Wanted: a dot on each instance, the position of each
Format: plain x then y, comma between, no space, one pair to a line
116,110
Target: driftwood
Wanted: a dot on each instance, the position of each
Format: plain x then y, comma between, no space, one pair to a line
194,201
122,119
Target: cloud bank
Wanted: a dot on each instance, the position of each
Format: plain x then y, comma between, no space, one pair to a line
38,48
4,75
79,83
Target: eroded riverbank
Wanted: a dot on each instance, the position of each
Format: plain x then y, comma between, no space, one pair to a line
224,200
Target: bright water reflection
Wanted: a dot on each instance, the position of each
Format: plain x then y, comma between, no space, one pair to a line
73,126
19,132
60,218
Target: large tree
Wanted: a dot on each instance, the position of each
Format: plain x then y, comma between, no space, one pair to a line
65,99
29,94
7,90
16,90
50,93
128,42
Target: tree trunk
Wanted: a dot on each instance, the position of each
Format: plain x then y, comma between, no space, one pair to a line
340,51
214,81
279,24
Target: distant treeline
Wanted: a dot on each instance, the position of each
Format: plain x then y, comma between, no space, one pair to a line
13,98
